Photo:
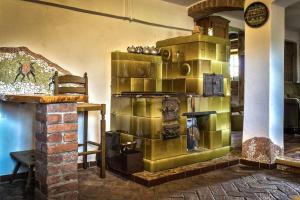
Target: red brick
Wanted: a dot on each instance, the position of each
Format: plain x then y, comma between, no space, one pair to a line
51,180
70,118
54,118
61,107
55,159
69,168
61,148
53,170
72,176
56,137
54,128
69,137
70,157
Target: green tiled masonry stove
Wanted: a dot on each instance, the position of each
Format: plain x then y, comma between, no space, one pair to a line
179,70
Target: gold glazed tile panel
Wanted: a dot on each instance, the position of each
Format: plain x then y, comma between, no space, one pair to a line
169,71
183,125
216,67
137,85
184,69
227,87
225,69
201,141
154,107
183,139
226,137
152,85
226,103
136,57
165,68
123,122
202,50
125,68
158,149
121,105
179,85
194,85
190,39
123,85
113,121
209,104
222,52
139,107
156,70
114,68
151,128
167,85
205,67
135,125
208,123
212,139
223,121
141,146
114,85
141,69
178,53
184,104
210,51
146,127
194,51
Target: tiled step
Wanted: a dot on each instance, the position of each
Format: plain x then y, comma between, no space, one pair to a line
286,161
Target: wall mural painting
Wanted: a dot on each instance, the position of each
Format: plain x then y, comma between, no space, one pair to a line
25,72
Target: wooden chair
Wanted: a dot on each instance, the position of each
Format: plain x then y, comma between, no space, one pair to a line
26,159
70,84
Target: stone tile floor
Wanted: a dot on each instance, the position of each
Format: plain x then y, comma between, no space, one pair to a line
238,182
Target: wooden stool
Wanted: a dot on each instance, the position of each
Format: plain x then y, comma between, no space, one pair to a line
70,84
26,159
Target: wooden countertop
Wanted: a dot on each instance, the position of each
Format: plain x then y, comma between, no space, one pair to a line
43,98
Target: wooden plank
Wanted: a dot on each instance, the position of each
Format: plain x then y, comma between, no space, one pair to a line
103,139
71,90
85,153
85,137
81,107
71,79
40,98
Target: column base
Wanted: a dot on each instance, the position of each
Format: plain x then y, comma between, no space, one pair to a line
261,149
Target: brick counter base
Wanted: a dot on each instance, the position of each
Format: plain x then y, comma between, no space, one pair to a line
56,151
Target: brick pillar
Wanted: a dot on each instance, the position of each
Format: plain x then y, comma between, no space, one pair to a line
56,151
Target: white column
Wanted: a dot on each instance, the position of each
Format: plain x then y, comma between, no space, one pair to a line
264,87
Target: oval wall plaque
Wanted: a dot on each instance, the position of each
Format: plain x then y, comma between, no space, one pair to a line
256,14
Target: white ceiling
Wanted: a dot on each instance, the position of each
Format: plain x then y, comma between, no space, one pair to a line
292,18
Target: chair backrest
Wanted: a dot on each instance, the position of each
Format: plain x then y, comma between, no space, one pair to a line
70,84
